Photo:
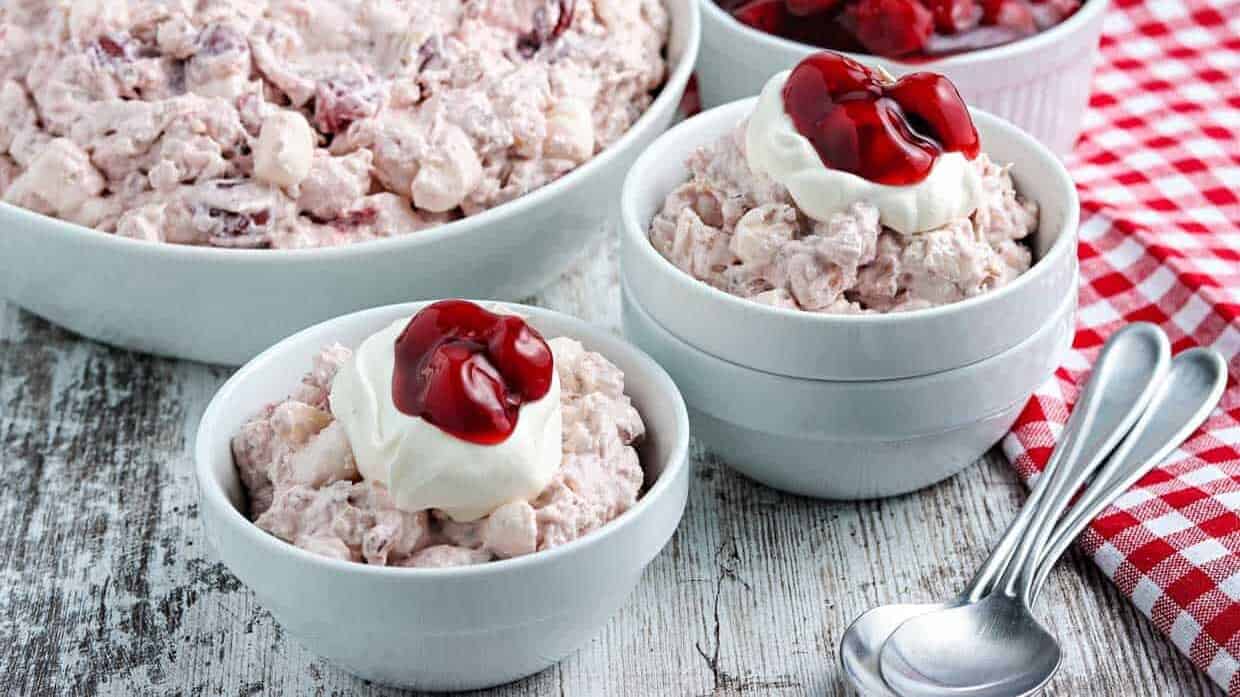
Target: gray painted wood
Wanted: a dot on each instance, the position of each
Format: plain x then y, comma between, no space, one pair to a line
106,587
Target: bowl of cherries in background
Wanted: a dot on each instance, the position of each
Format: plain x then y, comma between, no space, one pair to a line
1028,61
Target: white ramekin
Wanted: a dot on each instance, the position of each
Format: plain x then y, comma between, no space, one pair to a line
850,440
428,628
225,305
1040,84
849,347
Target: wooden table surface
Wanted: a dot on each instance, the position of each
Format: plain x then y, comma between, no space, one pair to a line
106,586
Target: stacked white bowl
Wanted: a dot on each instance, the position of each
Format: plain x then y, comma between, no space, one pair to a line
851,406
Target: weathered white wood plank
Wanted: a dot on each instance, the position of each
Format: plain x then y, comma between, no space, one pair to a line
106,586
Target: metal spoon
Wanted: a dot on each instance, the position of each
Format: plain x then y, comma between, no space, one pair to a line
1130,366
994,647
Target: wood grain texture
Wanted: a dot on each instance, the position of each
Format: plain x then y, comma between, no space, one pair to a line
106,586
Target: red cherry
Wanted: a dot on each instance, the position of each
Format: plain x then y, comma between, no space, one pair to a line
468,371
887,133
465,393
1011,14
805,8
890,27
933,107
954,16
522,356
769,16
830,73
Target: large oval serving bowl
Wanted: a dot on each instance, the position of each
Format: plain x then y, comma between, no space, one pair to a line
226,305
1040,83
453,628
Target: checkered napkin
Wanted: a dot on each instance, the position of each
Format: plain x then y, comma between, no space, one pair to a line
1158,169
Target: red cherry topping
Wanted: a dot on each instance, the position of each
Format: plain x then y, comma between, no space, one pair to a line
468,371
954,16
889,133
890,27
910,30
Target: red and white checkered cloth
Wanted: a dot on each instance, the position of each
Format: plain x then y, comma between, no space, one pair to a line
1158,169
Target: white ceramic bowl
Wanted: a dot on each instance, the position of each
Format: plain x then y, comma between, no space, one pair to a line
850,347
1040,84
850,440
225,305
454,628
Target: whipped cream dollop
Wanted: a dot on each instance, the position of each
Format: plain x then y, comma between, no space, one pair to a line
774,147
425,467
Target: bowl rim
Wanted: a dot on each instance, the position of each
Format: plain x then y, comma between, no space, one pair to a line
668,97
1088,12
653,158
1067,307
211,493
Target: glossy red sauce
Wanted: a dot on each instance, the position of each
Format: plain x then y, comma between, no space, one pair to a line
889,133
468,371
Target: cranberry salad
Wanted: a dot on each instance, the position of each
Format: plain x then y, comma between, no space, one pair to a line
847,191
308,123
456,437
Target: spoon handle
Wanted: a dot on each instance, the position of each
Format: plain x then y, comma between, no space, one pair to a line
1182,402
1124,379
1152,351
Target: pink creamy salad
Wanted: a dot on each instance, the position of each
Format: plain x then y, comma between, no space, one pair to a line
741,232
308,123
296,463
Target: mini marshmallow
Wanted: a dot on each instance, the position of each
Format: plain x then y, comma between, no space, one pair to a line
449,174
59,179
91,18
570,131
285,149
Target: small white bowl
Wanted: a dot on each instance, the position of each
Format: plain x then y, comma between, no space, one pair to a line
1040,83
850,440
226,305
456,628
850,347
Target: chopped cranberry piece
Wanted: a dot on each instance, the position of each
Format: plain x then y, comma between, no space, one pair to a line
468,371
340,101
889,133
769,16
954,16
233,229
218,39
565,20
890,27
543,31
119,47
111,47
361,216
805,8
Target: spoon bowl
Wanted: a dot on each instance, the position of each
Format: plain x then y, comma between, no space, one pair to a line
863,641
993,647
